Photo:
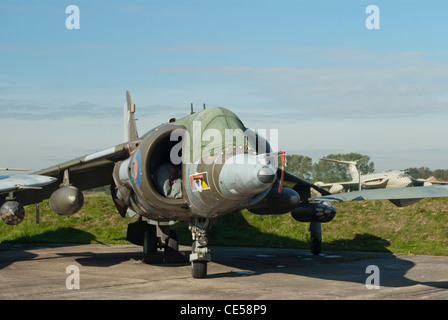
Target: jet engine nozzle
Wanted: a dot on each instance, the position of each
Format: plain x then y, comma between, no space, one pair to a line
245,175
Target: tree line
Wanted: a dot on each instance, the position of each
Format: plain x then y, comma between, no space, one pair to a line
303,167
425,173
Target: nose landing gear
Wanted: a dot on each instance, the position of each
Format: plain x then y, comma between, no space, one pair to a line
316,237
200,255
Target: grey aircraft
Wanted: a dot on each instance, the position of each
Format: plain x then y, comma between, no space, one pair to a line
386,179
194,170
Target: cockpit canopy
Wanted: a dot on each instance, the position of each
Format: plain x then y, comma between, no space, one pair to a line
214,130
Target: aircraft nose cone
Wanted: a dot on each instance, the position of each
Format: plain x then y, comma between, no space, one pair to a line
242,176
266,175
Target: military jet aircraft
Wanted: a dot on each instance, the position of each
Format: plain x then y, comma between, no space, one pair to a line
386,179
11,211
195,170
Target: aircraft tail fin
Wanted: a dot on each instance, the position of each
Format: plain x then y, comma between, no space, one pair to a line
351,167
130,128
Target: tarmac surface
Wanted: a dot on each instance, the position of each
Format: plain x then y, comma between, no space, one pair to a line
48,272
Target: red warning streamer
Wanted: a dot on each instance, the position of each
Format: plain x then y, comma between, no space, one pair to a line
283,153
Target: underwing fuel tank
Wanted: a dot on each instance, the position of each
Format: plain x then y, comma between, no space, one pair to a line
276,202
322,211
336,188
66,200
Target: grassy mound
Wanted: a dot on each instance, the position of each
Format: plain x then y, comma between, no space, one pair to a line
361,226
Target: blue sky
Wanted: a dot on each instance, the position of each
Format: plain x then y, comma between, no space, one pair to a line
310,69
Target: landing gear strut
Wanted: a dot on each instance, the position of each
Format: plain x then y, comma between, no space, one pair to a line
316,237
160,236
152,236
200,255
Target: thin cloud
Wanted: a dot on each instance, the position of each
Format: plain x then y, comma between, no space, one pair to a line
26,110
375,84
189,46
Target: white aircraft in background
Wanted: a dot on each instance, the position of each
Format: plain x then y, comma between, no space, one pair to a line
386,179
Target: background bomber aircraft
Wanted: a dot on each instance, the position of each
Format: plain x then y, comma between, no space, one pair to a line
168,174
386,179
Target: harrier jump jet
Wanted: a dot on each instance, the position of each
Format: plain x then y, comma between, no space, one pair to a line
195,170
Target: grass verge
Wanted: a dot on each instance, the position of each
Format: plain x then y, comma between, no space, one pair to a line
360,226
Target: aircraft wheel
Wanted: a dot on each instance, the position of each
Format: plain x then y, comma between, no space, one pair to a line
150,254
316,247
199,269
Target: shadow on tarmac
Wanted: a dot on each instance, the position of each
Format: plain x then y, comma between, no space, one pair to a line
344,266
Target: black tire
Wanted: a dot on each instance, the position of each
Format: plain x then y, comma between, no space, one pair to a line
316,247
199,269
150,243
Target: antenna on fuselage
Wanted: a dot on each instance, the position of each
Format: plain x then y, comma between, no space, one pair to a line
191,106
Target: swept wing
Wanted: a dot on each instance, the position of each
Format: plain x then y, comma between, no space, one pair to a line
23,182
91,171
